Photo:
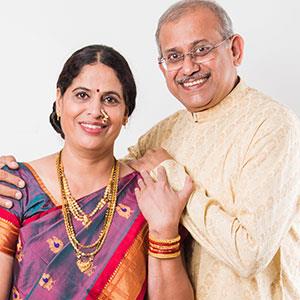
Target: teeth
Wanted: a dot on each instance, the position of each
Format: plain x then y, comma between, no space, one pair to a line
192,83
90,126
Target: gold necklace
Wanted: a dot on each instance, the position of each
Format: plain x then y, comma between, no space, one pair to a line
76,210
85,259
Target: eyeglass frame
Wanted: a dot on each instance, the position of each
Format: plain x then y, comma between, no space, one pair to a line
163,61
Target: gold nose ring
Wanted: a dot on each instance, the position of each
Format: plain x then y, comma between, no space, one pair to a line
104,116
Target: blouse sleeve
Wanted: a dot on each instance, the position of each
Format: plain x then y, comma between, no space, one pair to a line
11,220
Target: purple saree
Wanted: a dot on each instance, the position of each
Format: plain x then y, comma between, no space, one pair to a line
45,264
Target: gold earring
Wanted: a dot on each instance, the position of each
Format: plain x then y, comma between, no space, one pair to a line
57,117
125,121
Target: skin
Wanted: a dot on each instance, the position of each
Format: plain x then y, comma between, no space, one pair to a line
218,77
219,72
88,149
180,35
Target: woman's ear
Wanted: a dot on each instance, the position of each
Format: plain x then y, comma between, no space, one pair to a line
125,120
58,102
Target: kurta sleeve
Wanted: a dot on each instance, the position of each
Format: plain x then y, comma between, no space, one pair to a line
265,196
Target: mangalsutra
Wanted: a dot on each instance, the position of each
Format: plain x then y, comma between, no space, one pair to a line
71,207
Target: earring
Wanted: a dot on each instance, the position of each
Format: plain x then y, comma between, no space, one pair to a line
57,117
125,121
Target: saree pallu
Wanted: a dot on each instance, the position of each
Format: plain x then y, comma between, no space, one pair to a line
45,261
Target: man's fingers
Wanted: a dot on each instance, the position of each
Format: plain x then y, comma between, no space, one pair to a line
5,203
10,192
8,160
9,178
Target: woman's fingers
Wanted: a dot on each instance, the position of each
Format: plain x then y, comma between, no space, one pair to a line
148,181
162,175
187,190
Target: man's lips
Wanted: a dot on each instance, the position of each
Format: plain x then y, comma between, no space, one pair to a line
193,81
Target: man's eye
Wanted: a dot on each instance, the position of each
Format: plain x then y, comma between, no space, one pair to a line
173,57
82,95
202,50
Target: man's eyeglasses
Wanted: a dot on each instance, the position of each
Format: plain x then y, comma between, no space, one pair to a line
199,54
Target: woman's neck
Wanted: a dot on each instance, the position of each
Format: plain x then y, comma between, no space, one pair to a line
86,172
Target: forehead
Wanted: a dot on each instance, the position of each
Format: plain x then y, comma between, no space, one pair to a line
200,24
97,75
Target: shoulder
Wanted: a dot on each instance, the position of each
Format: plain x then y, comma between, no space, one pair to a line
163,127
262,108
23,171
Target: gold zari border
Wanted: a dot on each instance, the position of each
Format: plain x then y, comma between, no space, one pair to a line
128,279
8,237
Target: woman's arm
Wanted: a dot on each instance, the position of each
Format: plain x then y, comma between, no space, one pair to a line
6,267
162,208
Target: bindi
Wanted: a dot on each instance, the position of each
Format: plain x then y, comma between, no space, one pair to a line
97,90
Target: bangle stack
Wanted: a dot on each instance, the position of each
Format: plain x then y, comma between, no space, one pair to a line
164,249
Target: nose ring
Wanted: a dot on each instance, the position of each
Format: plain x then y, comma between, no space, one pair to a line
104,116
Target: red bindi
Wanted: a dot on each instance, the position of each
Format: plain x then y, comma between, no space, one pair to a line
97,90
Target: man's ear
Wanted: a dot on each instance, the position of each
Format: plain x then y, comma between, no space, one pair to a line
237,48
162,69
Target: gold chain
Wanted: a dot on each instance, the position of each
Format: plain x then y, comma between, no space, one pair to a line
76,210
85,259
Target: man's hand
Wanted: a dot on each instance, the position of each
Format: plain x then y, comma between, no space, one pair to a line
151,159
9,161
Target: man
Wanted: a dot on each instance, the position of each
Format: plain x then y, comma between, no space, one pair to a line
243,152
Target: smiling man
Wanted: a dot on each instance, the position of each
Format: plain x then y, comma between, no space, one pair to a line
242,150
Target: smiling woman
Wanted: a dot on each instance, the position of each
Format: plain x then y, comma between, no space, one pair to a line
79,212
50,232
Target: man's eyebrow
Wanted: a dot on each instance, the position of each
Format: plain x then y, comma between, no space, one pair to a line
193,44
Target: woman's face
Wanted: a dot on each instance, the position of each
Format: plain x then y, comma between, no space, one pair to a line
96,88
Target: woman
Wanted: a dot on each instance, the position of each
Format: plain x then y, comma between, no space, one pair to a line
77,232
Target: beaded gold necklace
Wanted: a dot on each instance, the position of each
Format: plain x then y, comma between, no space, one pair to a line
70,208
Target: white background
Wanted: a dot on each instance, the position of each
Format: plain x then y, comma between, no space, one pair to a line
38,36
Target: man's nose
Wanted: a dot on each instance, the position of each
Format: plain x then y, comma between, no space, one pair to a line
189,66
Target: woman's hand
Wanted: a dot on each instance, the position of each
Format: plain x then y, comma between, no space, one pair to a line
9,161
160,204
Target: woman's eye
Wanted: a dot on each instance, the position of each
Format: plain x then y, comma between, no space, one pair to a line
110,100
82,95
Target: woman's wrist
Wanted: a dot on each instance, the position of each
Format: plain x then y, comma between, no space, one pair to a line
163,233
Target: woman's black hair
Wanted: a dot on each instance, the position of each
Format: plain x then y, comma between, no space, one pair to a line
89,55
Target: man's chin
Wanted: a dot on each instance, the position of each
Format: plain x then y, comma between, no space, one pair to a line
196,104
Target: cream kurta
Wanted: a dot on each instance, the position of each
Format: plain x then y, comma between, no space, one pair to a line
244,157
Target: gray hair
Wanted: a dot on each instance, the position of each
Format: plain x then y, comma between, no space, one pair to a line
177,10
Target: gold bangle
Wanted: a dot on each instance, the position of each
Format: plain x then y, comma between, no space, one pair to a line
164,247
164,256
166,241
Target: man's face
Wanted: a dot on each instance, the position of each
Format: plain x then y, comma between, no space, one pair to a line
199,86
